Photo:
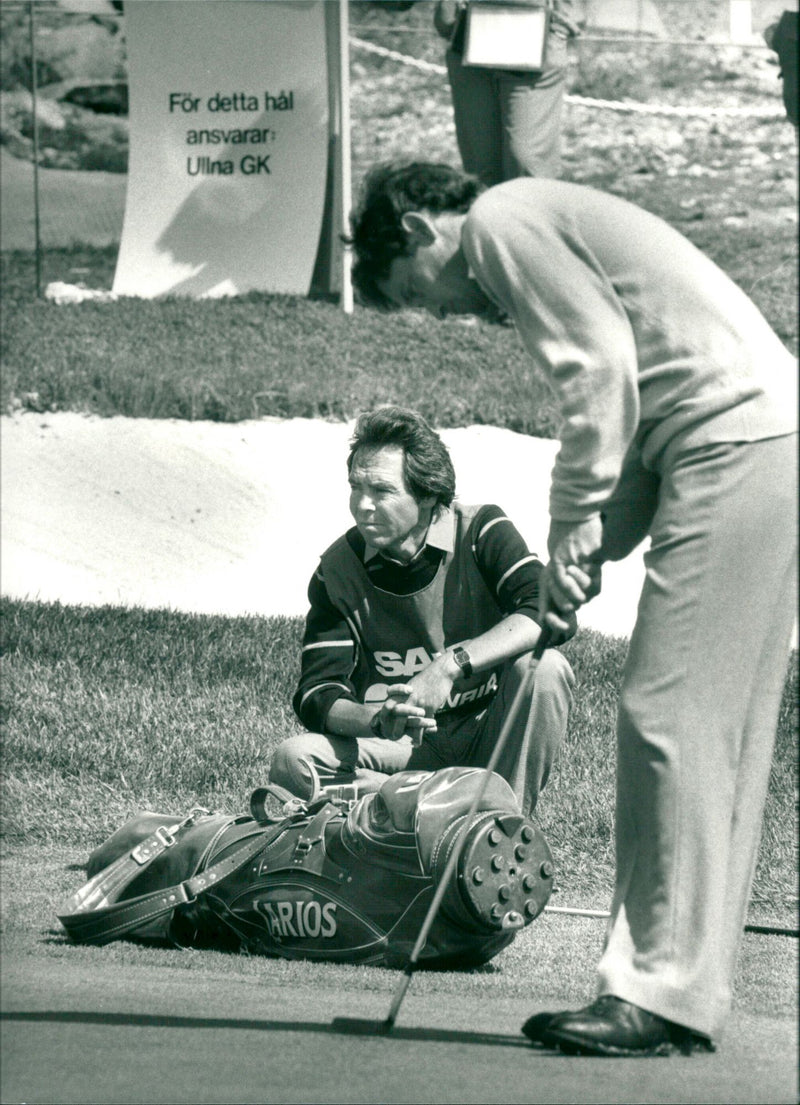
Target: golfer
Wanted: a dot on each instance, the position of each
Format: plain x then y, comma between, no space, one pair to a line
422,619
679,423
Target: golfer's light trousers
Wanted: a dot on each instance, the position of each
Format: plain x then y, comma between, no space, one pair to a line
696,726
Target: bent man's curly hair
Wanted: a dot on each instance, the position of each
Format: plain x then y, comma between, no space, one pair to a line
389,191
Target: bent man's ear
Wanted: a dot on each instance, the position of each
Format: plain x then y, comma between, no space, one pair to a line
419,228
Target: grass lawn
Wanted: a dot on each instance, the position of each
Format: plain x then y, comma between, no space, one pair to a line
553,958
108,711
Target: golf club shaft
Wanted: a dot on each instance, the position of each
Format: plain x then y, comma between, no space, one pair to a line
455,854
399,994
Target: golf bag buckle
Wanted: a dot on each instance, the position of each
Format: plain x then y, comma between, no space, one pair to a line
192,816
302,848
315,832
155,844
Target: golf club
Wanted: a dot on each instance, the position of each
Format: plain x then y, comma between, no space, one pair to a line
381,1028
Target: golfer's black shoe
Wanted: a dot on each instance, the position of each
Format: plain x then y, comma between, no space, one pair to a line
611,1026
535,1026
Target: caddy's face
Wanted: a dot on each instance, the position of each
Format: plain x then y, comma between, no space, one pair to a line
386,514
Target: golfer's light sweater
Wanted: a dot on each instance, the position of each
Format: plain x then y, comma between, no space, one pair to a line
639,334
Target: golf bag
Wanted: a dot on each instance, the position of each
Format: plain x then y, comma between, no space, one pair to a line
336,879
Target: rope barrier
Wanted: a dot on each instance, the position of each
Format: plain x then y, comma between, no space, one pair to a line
776,112
680,110
634,40
394,55
603,914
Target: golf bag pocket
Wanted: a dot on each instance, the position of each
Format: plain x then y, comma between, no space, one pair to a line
339,880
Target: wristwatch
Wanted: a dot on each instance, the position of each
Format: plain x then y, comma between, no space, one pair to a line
461,657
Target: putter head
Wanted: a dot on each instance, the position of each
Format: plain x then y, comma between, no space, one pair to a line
358,1026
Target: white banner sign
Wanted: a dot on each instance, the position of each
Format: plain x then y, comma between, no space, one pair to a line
229,129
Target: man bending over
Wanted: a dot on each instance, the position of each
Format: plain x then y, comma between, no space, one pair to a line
679,424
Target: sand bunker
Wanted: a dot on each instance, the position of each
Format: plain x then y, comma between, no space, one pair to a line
230,519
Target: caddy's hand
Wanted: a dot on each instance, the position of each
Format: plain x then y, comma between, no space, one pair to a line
431,687
399,715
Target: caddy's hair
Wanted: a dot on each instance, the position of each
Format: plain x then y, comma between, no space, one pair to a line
389,191
427,467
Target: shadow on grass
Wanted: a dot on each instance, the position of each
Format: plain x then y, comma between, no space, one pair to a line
148,1020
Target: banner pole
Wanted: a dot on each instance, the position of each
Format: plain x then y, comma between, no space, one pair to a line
35,111
345,167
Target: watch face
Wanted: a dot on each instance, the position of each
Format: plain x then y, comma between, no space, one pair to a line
461,657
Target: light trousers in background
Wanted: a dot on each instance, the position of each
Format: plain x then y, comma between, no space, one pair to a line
460,741
508,123
698,712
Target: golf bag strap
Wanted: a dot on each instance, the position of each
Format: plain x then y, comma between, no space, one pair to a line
89,918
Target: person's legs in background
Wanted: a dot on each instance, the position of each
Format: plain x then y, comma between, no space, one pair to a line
478,119
508,123
306,761
532,107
